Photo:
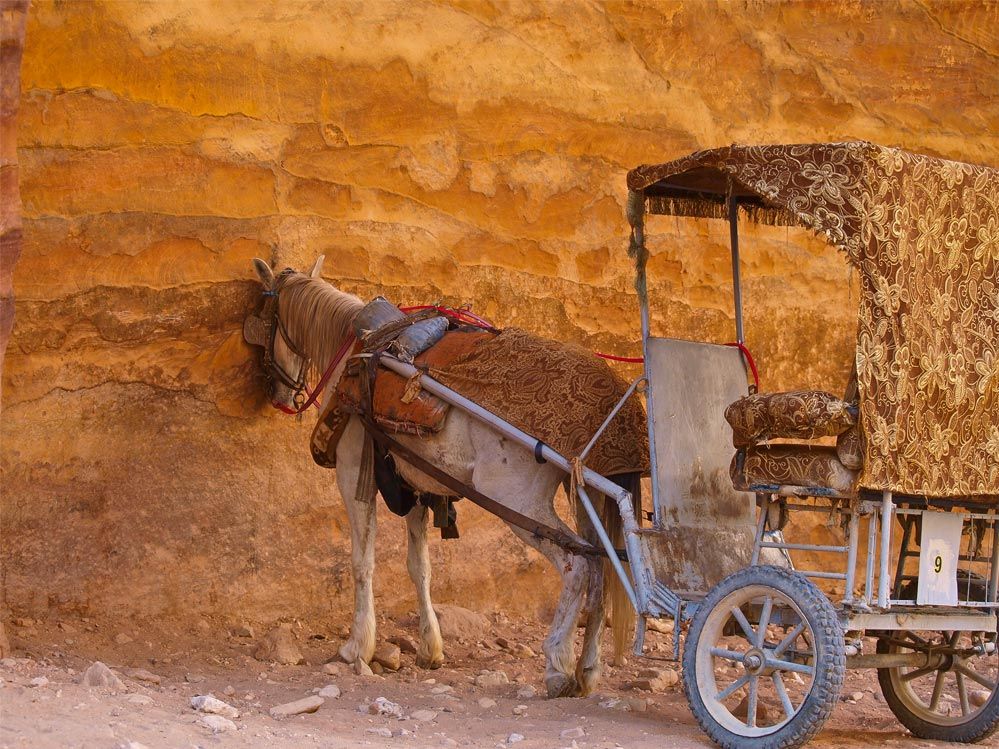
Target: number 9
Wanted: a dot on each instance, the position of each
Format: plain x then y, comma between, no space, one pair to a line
937,564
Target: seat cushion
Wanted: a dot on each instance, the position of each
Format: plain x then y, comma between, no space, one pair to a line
800,414
792,465
850,447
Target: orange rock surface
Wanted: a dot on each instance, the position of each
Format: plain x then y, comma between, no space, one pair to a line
457,151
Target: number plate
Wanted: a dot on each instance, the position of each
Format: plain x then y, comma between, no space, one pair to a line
939,547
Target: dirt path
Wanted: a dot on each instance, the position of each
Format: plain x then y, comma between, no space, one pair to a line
43,705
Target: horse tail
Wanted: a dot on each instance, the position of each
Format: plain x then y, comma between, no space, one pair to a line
621,611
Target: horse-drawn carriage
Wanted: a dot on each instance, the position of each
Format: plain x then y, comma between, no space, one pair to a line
906,463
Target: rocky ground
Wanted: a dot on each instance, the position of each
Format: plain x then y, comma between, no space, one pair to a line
107,685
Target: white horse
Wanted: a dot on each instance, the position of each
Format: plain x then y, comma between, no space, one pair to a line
316,321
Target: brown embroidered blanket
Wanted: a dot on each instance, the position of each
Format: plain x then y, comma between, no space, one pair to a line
559,393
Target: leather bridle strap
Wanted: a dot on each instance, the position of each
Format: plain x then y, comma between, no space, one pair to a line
560,538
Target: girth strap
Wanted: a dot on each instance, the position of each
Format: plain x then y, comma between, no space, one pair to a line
558,537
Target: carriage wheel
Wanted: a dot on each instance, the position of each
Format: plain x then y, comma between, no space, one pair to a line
763,660
954,696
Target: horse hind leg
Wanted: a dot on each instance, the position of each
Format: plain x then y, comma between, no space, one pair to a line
589,667
430,653
560,660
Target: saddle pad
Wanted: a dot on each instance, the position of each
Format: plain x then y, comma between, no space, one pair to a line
424,414
556,392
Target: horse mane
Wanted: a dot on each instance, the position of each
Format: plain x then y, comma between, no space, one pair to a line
317,317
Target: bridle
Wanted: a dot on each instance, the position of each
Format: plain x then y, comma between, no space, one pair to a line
275,327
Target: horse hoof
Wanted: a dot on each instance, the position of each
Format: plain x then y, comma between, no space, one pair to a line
430,663
561,686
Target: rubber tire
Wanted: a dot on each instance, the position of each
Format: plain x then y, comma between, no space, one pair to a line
830,658
980,727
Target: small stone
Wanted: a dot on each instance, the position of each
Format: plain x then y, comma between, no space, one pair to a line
69,629
519,709
304,705
424,716
382,706
131,745
522,651
23,621
405,644
140,674
279,646
856,696
330,691
979,697
362,669
122,639
388,655
457,622
527,692
385,733
242,630
208,703
573,733
229,691
442,689
193,678
332,669
490,679
448,742
38,681
216,723
376,668
513,738
138,699
486,702
99,675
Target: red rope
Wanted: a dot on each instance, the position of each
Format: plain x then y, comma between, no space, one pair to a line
626,359
749,360
741,346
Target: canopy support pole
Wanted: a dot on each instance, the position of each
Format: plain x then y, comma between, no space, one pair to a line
733,225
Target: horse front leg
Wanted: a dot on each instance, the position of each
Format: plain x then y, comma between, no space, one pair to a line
359,498
430,653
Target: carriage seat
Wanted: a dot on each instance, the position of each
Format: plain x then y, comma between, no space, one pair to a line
800,415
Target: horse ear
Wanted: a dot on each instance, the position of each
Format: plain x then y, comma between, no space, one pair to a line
317,269
255,331
265,273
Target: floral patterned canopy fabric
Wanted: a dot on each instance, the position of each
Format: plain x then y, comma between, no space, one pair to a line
924,234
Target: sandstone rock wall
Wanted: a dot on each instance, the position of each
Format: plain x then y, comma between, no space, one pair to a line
456,151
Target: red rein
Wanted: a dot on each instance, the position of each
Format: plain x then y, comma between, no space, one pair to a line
467,317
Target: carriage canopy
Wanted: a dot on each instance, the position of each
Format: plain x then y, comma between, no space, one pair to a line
924,235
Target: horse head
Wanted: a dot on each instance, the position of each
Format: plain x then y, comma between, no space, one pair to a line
285,363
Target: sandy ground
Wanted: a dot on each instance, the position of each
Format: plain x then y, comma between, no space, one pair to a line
43,705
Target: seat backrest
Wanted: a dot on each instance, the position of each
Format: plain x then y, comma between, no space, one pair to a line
704,528
690,385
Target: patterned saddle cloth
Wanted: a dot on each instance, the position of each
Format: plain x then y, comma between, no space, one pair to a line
559,393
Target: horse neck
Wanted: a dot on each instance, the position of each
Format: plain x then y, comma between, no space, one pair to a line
318,318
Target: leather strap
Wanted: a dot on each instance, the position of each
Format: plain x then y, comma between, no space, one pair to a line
560,538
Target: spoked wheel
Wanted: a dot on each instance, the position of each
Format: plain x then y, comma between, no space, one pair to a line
952,696
763,662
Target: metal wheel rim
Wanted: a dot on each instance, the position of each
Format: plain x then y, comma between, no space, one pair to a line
707,647
959,676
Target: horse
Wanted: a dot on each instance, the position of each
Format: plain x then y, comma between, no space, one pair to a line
312,321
